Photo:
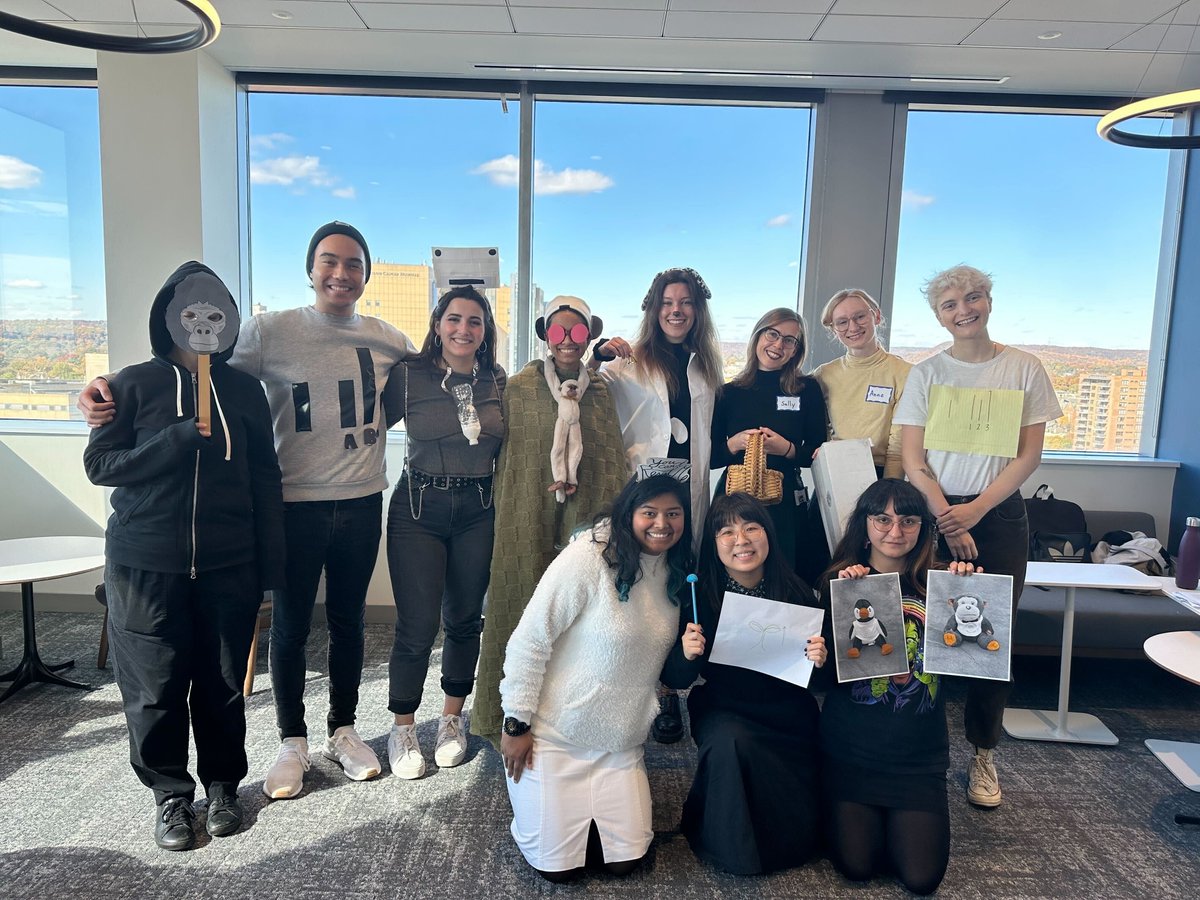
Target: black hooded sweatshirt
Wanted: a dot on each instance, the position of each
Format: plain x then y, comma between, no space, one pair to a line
184,503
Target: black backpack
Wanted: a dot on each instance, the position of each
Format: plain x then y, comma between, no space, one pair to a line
1057,528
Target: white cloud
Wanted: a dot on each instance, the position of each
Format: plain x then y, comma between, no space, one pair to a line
16,173
794,264
504,171
780,220
345,193
287,170
913,200
27,284
595,157
270,141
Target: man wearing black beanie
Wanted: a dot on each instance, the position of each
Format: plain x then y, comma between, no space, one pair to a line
324,368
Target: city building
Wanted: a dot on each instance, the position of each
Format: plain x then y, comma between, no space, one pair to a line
1109,411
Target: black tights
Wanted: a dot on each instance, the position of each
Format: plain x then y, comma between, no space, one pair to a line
867,841
594,861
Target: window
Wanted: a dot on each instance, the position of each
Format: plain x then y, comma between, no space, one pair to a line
625,190
53,321
1068,225
410,173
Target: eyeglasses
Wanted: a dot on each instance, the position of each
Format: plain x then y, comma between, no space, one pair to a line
556,334
789,342
884,523
841,326
728,535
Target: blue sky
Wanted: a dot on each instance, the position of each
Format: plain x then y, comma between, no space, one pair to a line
1068,224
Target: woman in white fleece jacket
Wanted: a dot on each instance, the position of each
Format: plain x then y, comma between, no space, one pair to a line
579,686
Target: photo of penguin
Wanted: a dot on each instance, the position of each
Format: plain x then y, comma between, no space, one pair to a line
866,630
867,615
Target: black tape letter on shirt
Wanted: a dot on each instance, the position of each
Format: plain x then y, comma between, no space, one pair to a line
302,403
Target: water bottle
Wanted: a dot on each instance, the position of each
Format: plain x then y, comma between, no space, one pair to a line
1187,565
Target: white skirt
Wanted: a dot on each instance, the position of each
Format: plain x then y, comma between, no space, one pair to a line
568,788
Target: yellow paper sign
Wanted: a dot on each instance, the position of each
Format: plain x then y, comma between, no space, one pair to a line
982,421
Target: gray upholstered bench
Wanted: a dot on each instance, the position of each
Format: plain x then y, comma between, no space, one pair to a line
1107,623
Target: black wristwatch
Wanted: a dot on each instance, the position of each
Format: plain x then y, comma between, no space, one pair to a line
515,727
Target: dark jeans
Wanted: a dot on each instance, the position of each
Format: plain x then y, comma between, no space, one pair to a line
439,565
1002,539
180,644
340,537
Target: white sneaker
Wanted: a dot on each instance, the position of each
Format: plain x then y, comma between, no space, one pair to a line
983,785
404,753
285,778
348,750
451,742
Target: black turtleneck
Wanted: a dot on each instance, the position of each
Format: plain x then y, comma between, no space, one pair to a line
739,408
681,403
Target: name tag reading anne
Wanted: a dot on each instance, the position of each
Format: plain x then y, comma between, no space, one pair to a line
787,403
879,393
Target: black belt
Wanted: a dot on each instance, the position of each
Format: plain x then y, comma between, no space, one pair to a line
444,482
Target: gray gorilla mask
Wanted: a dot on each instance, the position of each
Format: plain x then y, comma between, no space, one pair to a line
202,317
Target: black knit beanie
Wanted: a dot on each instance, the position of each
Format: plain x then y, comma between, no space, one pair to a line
338,228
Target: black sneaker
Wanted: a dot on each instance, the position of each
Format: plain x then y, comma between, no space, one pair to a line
668,724
173,824
224,815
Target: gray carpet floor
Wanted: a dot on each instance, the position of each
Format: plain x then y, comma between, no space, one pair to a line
1076,821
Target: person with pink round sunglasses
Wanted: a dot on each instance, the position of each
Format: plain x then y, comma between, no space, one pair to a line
532,525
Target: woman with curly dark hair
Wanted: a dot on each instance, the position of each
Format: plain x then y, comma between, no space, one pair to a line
580,675
663,387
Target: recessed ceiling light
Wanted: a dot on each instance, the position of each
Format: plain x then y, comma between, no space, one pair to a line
1049,36
281,14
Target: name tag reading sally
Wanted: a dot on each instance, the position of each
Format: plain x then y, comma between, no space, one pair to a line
879,393
788,403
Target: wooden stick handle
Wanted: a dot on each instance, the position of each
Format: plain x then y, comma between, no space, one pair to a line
203,390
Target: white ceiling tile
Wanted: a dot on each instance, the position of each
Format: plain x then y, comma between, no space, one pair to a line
96,10
742,26
304,14
751,6
1024,32
944,9
1179,39
607,22
435,17
1188,14
35,9
659,5
894,29
1139,11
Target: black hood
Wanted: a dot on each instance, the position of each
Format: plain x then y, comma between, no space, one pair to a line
208,289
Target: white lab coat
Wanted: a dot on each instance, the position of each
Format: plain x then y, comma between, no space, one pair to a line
644,411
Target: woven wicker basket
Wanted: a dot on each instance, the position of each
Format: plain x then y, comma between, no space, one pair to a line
753,477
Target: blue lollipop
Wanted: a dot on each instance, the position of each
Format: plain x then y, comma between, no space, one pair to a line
692,579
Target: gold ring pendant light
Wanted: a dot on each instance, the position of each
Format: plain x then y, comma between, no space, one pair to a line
1107,129
205,32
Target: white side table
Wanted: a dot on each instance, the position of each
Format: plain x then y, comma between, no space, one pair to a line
1179,653
26,560
1061,725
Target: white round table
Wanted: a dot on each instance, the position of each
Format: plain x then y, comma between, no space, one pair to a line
1179,653
24,561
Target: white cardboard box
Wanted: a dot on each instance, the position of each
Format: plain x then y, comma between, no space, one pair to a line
841,472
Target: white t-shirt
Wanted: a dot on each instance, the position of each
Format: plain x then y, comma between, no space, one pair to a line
1012,369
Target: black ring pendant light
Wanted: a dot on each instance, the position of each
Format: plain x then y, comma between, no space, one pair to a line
205,32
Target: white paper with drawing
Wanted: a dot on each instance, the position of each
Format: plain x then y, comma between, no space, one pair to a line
766,636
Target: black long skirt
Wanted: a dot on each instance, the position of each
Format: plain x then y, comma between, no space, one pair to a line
753,806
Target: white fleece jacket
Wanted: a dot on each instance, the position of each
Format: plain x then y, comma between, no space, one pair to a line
582,661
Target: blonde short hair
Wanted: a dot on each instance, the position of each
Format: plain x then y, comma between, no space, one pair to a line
963,277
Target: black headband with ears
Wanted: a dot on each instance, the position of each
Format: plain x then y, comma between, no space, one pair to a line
705,293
